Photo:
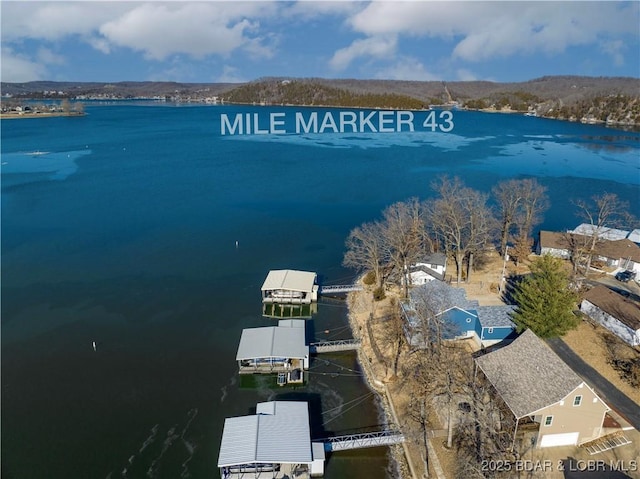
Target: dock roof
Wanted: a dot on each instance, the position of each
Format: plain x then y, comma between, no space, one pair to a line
289,279
273,342
278,433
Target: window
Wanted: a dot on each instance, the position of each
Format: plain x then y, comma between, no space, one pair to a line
548,420
577,400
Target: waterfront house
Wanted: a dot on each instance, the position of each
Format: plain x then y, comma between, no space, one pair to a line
618,314
433,266
543,393
274,443
446,309
618,254
275,349
290,287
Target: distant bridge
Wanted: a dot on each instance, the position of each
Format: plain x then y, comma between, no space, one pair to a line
339,288
358,441
334,346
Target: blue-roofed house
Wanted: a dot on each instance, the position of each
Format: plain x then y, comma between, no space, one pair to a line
458,317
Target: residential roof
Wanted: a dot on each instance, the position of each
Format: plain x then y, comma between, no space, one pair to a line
435,258
440,296
278,433
604,232
634,236
528,375
272,342
621,308
289,279
621,248
424,268
498,316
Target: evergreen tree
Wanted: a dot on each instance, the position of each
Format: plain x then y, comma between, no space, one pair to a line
544,301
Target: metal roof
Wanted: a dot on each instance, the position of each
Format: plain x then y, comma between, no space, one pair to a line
290,280
528,375
278,433
272,342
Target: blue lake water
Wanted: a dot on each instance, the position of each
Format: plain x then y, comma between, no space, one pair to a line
120,227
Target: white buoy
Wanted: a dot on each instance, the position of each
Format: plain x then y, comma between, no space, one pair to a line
236,243
94,345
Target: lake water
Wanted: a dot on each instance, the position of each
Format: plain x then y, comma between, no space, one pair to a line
120,227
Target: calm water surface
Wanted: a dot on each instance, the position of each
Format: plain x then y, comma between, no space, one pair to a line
120,227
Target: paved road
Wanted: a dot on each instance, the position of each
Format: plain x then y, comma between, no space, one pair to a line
607,391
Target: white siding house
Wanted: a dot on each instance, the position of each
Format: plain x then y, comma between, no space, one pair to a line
618,314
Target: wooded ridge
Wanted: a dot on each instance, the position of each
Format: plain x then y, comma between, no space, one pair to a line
614,100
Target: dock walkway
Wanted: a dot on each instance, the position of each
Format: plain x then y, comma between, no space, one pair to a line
358,441
334,346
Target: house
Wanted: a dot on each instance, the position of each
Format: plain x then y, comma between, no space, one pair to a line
274,443
290,286
541,391
619,254
434,266
458,318
618,314
275,349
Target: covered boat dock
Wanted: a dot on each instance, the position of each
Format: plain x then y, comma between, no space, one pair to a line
290,286
274,443
275,349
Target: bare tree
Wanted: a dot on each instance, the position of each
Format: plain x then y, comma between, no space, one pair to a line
602,213
405,236
366,250
460,220
520,206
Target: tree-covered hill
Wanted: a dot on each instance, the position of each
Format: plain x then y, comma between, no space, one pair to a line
615,100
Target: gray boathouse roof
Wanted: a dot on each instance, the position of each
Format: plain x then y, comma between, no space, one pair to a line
290,280
278,433
528,375
287,340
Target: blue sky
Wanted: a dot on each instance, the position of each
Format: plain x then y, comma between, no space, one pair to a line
232,41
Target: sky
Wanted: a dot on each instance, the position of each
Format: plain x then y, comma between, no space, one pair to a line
235,41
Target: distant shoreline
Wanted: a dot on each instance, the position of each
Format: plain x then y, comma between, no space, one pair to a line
16,115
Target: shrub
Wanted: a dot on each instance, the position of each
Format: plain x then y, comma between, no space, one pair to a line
378,294
369,278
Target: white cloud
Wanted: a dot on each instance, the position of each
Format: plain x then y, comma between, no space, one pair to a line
230,75
49,57
18,68
614,49
406,68
484,30
377,47
463,74
157,29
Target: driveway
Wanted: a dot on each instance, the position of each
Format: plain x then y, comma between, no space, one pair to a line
607,391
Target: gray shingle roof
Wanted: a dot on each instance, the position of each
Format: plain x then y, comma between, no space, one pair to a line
496,316
625,310
528,375
447,296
